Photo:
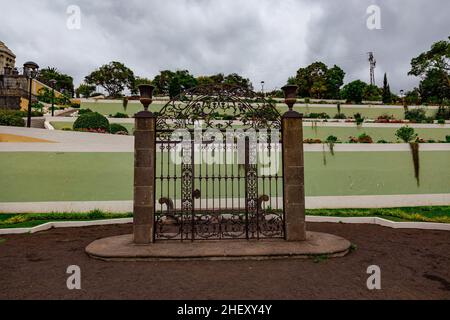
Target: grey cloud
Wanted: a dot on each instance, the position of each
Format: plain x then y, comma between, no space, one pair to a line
262,39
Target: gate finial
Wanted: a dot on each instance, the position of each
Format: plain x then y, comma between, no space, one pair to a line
290,95
146,92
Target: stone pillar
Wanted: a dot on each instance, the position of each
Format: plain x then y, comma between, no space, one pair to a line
294,176
144,177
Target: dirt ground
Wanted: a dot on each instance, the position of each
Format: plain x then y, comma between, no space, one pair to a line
415,264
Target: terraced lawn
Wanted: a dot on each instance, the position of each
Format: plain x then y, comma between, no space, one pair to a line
343,133
28,177
372,112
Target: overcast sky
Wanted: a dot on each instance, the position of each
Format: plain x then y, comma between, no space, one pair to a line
261,39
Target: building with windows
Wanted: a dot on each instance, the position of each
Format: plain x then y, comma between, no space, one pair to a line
7,58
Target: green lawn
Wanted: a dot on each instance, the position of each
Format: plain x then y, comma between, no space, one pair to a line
343,133
28,177
388,134
420,214
112,108
370,113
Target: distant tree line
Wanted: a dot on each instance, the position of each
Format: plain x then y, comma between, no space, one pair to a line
317,81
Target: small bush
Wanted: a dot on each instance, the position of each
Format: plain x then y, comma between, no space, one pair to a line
332,139
322,115
382,142
365,138
20,113
84,111
312,141
340,116
91,121
447,139
353,140
441,121
11,120
358,118
406,134
443,113
116,128
75,105
120,115
416,115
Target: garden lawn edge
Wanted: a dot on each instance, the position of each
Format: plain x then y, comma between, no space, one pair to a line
353,220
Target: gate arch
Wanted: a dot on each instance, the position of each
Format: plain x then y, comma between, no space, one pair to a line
222,103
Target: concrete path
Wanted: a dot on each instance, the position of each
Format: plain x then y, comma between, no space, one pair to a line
68,141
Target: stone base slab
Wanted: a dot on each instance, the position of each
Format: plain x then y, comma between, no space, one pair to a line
121,248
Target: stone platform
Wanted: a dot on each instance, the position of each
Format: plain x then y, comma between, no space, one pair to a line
121,248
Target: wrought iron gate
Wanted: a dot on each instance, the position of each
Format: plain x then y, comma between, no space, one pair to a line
212,182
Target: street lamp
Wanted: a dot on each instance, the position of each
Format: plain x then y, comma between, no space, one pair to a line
262,88
30,70
52,84
402,95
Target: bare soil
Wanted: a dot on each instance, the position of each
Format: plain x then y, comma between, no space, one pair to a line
415,264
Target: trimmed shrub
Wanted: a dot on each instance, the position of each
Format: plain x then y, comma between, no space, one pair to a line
120,115
447,139
75,105
84,111
116,128
322,115
22,114
416,115
91,121
11,120
365,138
340,116
406,134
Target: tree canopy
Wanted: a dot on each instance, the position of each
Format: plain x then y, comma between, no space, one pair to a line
172,83
113,77
433,67
354,91
319,81
64,82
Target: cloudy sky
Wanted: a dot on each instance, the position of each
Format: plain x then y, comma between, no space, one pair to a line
261,39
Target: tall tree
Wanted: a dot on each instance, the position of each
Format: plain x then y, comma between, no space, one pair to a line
63,81
113,77
354,91
387,95
335,80
372,93
85,90
433,67
318,81
238,80
166,82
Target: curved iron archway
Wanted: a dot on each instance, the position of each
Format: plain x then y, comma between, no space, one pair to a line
220,106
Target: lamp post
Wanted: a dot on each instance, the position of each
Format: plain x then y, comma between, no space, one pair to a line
402,95
30,70
52,84
262,87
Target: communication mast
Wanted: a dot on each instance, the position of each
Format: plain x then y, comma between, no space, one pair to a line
373,65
